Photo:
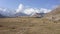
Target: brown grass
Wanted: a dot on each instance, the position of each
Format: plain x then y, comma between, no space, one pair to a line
25,25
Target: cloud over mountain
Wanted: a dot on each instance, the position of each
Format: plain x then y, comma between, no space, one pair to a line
35,10
29,11
21,9
44,10
3,9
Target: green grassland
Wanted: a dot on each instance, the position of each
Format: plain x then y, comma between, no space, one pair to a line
29,25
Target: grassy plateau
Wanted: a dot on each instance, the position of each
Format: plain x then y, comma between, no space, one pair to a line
29,25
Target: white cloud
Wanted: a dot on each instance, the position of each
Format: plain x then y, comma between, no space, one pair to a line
44,10
29,11
6,12
20,8
35,10
2,9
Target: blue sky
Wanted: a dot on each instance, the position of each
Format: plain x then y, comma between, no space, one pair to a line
13,4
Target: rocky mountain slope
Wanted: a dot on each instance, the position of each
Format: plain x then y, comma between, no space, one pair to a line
1,16
38,15
54,14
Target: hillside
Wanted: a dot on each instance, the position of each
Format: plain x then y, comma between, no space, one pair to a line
54,14
55,11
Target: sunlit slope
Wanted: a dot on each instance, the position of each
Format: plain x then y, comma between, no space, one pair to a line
54,14
55,11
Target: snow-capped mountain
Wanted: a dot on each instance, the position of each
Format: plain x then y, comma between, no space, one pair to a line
21,14
22,11
10,13
7,12
1,16
26,12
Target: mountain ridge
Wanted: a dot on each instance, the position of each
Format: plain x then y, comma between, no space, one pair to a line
54,14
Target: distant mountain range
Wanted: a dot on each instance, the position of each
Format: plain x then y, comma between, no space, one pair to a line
38,15
1,15
12,13
22,14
